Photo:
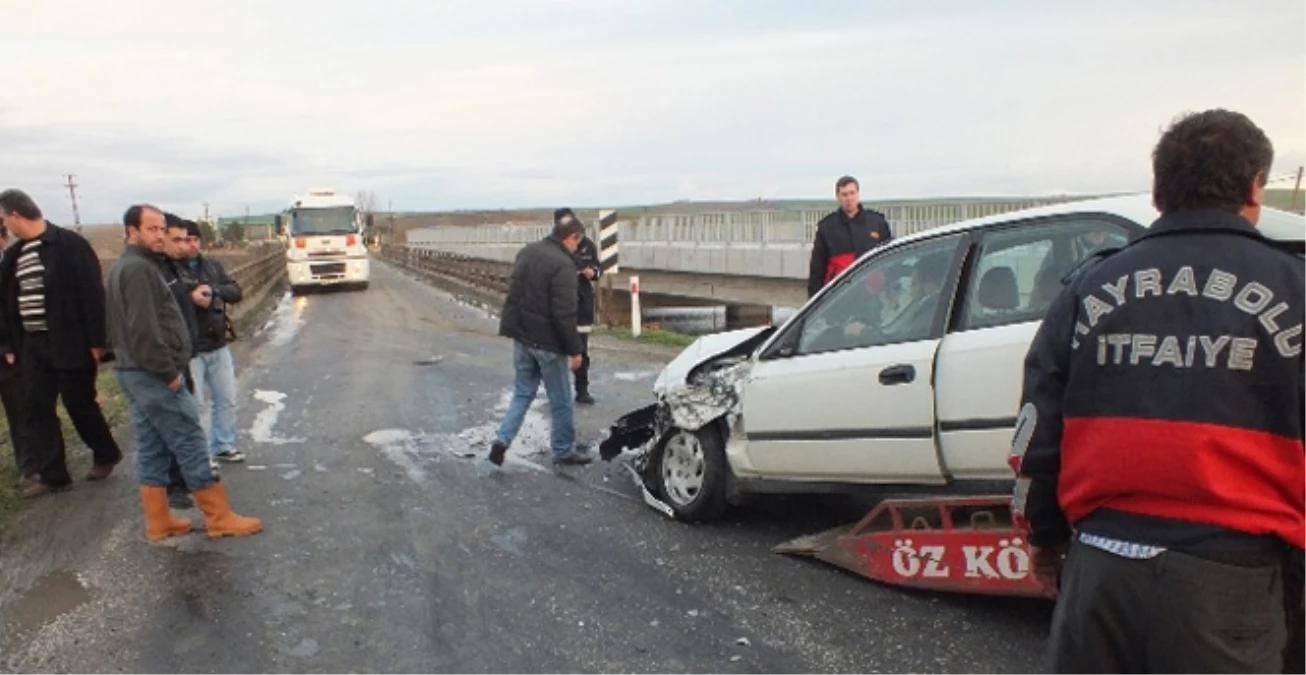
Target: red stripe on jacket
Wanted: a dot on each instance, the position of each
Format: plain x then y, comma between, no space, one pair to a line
1243,480
837,264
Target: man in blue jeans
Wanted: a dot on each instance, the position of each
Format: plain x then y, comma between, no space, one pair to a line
214,370
540,317
152,345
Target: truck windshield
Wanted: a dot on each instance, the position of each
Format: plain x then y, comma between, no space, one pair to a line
338,219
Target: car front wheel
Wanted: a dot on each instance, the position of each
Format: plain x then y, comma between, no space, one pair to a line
691,473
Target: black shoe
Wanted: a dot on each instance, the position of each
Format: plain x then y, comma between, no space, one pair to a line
576,457
497,451
180,500
584,398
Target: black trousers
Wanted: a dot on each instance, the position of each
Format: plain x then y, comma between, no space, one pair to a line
583,372
1173,613
45,386
14,397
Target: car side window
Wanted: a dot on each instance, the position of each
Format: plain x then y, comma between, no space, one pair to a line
891,299
1018,271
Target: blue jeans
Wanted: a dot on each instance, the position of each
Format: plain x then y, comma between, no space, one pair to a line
216,372
532,366
167,424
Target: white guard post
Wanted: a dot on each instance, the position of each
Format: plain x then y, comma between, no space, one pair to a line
634,307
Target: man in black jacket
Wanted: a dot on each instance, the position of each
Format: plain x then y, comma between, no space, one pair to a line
52,297
843,236
14,396
211,290
176,250
1159,447
539,315
588,271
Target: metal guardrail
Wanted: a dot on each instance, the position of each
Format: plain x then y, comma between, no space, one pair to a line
261,271
487,274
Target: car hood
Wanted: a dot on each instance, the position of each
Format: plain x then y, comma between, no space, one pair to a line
705,349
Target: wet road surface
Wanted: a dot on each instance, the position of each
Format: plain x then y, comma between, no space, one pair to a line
392,545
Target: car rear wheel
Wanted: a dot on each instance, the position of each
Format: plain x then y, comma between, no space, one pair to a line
691,473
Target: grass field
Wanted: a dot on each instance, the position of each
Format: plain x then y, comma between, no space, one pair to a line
114,405
664,338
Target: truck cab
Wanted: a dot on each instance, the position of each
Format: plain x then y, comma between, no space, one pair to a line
324,238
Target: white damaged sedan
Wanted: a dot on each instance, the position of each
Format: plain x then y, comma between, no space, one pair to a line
905,370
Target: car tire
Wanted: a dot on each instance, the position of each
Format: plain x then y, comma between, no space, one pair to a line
690,473
361,286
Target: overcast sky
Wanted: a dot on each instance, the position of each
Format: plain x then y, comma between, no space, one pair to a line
444,105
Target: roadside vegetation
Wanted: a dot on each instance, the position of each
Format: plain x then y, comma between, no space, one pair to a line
654,336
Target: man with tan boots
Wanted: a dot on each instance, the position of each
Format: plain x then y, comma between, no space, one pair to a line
152,345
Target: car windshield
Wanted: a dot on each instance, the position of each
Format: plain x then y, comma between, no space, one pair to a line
333,220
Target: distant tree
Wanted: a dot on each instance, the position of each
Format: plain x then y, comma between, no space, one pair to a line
208,233
234,233
366,202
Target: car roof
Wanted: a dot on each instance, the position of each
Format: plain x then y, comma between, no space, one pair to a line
1274,224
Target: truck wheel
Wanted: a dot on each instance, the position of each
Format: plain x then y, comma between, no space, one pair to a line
691,473
360,286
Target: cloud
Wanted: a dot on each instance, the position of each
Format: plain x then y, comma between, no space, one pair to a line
437,105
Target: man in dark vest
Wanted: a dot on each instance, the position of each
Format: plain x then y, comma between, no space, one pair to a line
843,236
588,271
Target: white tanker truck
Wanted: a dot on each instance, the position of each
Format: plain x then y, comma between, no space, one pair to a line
325,241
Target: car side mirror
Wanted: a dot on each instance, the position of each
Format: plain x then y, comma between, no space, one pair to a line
787,345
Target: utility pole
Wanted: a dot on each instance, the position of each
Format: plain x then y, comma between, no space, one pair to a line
206,212
390,206
246,214
72,193
1296,189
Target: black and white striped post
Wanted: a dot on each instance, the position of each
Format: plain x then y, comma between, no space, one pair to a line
608,255
608,258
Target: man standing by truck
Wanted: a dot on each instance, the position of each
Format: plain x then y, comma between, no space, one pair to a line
1160,439
150,339
213,367
843,236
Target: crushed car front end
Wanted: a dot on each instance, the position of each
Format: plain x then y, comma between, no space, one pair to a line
703,385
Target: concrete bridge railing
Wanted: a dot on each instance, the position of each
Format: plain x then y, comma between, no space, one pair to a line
767,243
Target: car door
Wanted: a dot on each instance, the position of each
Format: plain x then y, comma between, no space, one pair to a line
1013,279
845,392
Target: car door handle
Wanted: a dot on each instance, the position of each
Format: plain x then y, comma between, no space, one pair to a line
900,374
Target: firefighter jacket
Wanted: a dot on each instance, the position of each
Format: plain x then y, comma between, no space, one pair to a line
1164,392
840,241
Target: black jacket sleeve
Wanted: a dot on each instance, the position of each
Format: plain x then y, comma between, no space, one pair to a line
588,258
1036,447
90,283
820,259
886,232
7,271
223,285
563,309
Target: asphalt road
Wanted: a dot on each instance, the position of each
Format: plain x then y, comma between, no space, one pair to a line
388,548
